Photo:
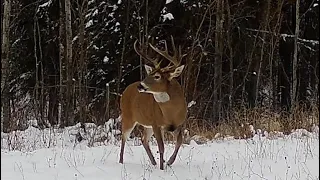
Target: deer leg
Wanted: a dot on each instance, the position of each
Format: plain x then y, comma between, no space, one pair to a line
178,134
127,128
158,135
147,133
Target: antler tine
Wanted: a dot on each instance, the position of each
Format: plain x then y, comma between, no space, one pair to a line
175,59
166,46
165,54
162,53
138,51
173,47
181,56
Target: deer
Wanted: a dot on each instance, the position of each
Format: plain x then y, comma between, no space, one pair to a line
157,103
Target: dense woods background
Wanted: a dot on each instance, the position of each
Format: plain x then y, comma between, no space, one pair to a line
68,61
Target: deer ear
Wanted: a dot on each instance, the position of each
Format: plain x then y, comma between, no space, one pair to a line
148,69
176,72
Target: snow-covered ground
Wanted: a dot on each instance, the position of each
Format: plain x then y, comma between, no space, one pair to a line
56,155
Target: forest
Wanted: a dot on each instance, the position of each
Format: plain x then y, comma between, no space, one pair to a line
255,62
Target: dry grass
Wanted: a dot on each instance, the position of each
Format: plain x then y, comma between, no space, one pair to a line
243,123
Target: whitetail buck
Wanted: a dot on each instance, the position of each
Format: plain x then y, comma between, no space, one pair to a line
157,103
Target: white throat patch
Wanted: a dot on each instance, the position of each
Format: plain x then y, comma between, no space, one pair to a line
161,97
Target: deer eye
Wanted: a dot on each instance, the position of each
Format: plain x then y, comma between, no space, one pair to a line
157,77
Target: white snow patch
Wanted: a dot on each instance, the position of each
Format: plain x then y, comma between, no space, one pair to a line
89,23
74,39
252,130
24,75
183,1
191,103
114,7
105,59
95,47
111,14
46,4
168,1
56,154
91,1
167,16
16,42
95,12
193,143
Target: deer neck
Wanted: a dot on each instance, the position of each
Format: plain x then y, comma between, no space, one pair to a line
174,107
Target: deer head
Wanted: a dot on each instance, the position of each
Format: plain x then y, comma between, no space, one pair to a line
157,102
158,78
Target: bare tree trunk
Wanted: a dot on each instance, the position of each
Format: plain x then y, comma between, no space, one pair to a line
145,35
107,113
69,89
218,62
264,28
295,58
39,100
43,106
36,88
273,74
53,106
230,104
140,40
5,67
83,7
122,55
61,109
146,22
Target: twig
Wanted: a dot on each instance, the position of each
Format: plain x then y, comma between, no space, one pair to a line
285,36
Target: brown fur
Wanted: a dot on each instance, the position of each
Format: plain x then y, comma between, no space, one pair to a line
141,108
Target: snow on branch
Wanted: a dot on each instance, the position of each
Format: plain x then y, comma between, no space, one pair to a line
313,42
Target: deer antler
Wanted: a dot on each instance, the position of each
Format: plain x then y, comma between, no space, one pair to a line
175,59
155,61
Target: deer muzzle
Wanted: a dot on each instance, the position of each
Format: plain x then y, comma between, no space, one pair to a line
142,87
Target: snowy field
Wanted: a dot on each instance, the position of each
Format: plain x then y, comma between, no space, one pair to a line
56,155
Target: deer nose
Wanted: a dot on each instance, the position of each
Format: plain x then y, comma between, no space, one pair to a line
141,88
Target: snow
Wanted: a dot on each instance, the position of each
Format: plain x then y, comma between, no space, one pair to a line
270,156
114,7
89,23
191,103
165,15
46,4
90,2
74,39
105,59
95,12
95,47
284,36
24,75
16,42
168,1
168,16
183,1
